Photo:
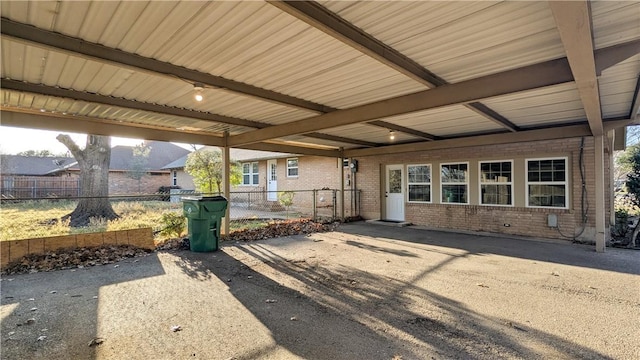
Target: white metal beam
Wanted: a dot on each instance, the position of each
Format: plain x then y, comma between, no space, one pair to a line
573,20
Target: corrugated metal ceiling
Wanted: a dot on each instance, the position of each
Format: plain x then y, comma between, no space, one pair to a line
258,44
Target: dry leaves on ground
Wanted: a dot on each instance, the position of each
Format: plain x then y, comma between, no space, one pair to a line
280,229
102,255
73,258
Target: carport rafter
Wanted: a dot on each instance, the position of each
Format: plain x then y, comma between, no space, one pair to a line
573,20
321,18
548,73
126,103
394,127
103,53
635,105
131,104
317,135
530,77
79,47
75,123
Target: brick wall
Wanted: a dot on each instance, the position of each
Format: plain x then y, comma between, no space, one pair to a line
519,219
14,250
121,184
313,173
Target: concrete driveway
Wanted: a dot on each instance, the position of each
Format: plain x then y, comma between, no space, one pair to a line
362,292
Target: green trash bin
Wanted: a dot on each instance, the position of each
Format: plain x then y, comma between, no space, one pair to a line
204,218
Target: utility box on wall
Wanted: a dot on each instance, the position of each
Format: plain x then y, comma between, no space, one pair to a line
552,220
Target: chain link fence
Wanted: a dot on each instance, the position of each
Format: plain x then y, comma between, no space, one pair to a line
41,217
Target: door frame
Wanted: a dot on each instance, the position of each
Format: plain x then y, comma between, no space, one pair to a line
399,216
272,185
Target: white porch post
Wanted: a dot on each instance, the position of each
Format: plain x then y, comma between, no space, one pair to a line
599,193
226,183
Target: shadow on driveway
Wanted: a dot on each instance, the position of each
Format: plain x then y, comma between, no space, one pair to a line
344,312
61,308
614,259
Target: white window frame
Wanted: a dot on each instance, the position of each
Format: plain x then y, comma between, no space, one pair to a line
466,182
480,182
251,173
174,178
565,182
297,167
430,184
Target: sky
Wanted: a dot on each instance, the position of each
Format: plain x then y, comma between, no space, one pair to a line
14,140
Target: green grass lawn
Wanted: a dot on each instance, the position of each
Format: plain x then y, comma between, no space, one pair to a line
33,219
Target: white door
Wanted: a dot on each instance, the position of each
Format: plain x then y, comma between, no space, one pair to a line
272,180
394,193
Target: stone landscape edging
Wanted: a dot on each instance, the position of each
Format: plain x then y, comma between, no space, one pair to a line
13,250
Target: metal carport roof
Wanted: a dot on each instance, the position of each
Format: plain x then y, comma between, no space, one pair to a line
329,78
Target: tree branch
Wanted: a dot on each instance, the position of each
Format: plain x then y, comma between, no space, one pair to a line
71,145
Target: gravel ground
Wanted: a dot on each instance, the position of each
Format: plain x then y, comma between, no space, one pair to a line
361,292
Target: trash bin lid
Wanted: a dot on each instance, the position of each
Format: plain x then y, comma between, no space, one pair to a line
189,198
213,198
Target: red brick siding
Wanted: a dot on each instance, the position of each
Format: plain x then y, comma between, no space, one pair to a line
474,217
120,183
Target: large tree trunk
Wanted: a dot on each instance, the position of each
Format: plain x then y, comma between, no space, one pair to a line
94,179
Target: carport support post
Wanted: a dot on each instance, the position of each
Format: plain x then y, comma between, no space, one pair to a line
341,167
600,213
612,184
226,183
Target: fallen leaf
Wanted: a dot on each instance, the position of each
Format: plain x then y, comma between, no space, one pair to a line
41,338
96,341
293,318
176,328
555,273
52,292
33,309
482,285
30,321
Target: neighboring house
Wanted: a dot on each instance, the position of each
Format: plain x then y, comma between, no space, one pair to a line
265,174
31,177
120,177
34,176
529,188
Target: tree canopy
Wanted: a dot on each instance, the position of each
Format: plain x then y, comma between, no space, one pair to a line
138,165
205,166
39,153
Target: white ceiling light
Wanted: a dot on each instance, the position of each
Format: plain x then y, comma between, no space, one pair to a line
392,135
197,87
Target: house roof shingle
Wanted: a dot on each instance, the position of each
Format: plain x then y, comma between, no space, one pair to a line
34,165
161,153
236,154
